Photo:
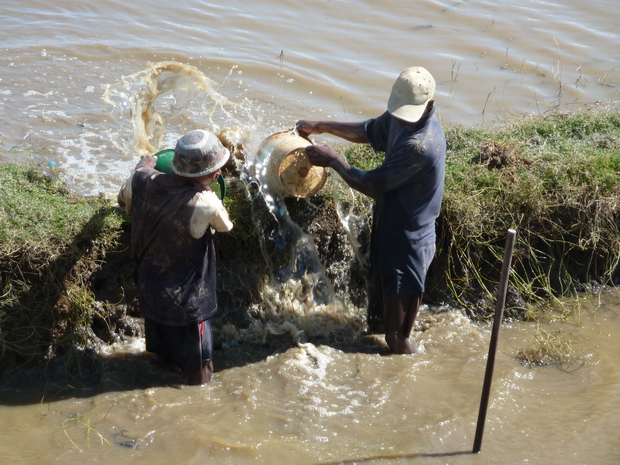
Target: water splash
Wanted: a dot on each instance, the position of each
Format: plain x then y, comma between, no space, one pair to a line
301,290
168,99
159,104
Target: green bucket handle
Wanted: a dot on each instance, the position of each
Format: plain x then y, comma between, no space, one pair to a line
164,164
222,185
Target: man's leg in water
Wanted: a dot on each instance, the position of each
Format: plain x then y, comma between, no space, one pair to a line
202,376
400,311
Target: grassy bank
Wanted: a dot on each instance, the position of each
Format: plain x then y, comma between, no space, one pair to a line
554,178
51,242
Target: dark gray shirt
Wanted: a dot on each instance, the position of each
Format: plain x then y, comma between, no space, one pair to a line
176,274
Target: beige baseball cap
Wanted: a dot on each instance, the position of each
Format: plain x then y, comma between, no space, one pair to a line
413,89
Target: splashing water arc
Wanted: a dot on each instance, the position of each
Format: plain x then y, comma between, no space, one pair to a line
162,97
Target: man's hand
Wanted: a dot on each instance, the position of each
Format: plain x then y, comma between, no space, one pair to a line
305,127
322,155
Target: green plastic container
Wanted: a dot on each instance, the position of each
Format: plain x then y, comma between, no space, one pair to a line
164,164
164,160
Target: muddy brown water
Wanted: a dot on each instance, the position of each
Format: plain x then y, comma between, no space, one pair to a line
319,404
80,92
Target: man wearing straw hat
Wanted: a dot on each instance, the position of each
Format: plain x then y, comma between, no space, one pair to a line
407,188
173,215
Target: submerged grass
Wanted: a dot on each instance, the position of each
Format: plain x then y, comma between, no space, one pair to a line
550,348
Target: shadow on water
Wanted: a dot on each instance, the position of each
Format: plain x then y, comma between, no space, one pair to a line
398,457
86,374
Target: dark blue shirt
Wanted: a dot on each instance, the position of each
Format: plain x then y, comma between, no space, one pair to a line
409,187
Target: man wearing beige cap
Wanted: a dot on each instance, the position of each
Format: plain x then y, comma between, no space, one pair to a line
407,188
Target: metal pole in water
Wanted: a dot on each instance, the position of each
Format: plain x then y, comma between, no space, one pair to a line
497,322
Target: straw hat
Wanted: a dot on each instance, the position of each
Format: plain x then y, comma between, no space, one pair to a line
413,89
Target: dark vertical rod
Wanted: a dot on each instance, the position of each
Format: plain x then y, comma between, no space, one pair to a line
497,322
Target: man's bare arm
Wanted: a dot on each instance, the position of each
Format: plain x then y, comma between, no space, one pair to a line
353,132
